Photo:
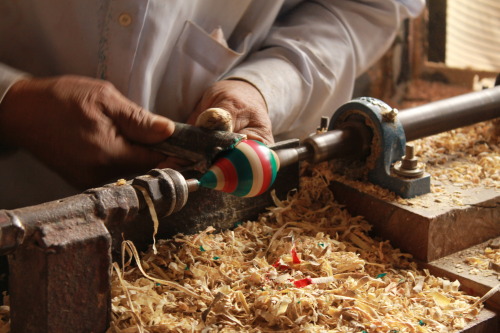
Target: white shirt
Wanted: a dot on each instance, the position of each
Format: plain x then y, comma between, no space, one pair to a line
303,56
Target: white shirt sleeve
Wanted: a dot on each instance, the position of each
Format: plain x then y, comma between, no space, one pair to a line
307,66
8,76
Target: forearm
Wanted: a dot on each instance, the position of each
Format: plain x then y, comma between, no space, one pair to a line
307,65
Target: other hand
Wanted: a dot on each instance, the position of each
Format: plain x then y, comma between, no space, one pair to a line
245,104
82,128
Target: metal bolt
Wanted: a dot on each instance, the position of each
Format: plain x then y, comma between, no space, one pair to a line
323,126
409,162
410,151
409,166
390,116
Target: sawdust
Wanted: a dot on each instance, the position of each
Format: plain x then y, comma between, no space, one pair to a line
305,265
465,157
485,261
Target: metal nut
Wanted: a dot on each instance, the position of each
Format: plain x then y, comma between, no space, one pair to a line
409,166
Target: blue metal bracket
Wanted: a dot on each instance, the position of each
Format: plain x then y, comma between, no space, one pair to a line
388,143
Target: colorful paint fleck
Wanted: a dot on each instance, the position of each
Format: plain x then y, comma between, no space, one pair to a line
295,256
247,170
303,282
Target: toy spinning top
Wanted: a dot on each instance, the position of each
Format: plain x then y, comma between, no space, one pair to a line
247,170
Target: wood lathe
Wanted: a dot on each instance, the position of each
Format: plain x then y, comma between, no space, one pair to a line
60,252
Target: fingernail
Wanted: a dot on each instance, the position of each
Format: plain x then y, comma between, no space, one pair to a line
162,125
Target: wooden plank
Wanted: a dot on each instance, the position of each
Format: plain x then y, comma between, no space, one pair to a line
474,282
435,225
487,322
455,76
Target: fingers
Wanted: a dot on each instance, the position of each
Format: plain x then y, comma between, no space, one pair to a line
82,128
140,125
136,158
174,163
122,160
136,123
256,134
244,103
222,120
135,126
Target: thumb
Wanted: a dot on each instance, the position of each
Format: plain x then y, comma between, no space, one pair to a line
139,125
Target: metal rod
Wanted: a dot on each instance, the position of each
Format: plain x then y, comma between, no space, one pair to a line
450,113
317,148
337,143
417,122
192,184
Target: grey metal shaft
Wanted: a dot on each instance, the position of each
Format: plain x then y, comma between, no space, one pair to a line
447,114
337,143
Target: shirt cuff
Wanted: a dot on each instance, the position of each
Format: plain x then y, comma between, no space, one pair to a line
9,76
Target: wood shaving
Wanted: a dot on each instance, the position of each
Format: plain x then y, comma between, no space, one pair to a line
120,182
304,265
465,157
152,211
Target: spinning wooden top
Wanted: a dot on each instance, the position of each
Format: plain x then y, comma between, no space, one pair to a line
246,171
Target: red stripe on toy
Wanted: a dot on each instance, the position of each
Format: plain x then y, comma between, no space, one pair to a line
230,175
267,170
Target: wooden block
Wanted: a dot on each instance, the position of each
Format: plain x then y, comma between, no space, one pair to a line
435,225
487,322
473,281
455,76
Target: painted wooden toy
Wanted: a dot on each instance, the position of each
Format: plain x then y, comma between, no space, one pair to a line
246,171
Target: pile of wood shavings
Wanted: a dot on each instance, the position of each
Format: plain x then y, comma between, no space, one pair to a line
305,265
465,157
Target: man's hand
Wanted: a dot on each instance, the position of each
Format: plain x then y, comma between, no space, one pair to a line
82,128
245,104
